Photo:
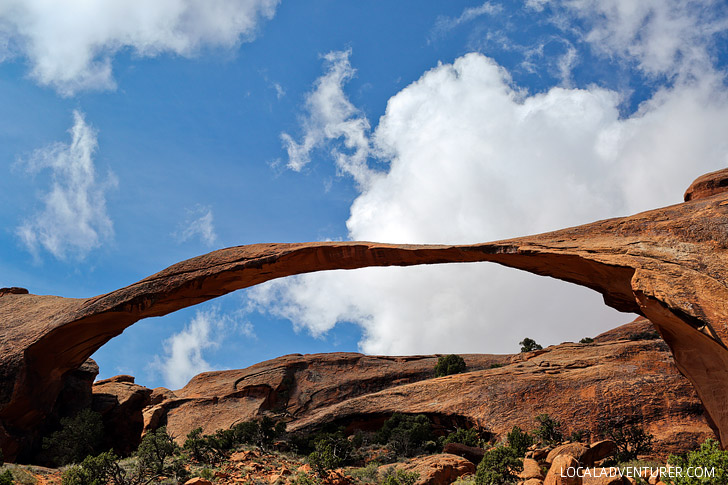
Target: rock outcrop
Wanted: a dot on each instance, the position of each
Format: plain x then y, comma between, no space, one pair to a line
627,372
667,264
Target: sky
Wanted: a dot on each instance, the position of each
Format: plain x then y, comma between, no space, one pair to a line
137,134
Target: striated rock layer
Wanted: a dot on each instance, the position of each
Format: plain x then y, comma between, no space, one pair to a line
627,372
668,265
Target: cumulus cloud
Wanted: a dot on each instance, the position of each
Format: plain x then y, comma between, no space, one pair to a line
184,351
199,223
70,45
331,117
474,158
73,220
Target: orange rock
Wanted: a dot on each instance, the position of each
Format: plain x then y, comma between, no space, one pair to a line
577,450
668,265
198,481
440,469
563,471
531,469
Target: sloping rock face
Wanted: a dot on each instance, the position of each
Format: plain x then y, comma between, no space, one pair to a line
293,386
627,372
668,265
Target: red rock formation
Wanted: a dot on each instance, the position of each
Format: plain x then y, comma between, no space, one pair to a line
627,372
667,264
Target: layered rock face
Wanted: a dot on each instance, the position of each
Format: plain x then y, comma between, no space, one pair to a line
667,264
626,373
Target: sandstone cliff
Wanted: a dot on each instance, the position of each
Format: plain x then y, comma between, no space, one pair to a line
626,373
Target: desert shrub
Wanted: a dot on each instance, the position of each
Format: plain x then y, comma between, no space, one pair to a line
519,440
96,470
405,434
214,448
6,478
367,474
331,451
499,465
303,479
528,344
79,436
579,435
631,440
548,430
399,477
449,364
495,365
206,473
178,469
709,456
469,437
645,335
586,340
155,447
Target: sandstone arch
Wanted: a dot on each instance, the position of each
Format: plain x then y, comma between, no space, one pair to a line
669,264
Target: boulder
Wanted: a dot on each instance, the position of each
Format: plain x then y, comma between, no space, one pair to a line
470,453
440,469
563,471
531,469
577,450
598,451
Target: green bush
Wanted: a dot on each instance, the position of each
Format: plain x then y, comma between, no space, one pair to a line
6,478
155,448
709,456
548,431
367,474
331,451
645,335
214,448
449,364
469,437
399,477
80,436
528,345
405,434
631,440
96,470
586,340
499,465
519,440
495,365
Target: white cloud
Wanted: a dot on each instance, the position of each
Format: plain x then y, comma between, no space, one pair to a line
74,219
445,24
662,37
473,158
184,351
199,223
330,117
70,44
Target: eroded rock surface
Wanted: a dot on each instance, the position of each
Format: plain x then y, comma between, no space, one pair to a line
627,372
667,264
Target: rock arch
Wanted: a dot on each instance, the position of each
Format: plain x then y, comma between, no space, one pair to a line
669,265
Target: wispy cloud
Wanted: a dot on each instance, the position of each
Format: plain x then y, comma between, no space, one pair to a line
73,220
331,117
672,38
445,24
199,223
184,352
70,45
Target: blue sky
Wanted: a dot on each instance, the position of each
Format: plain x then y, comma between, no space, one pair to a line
135,134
